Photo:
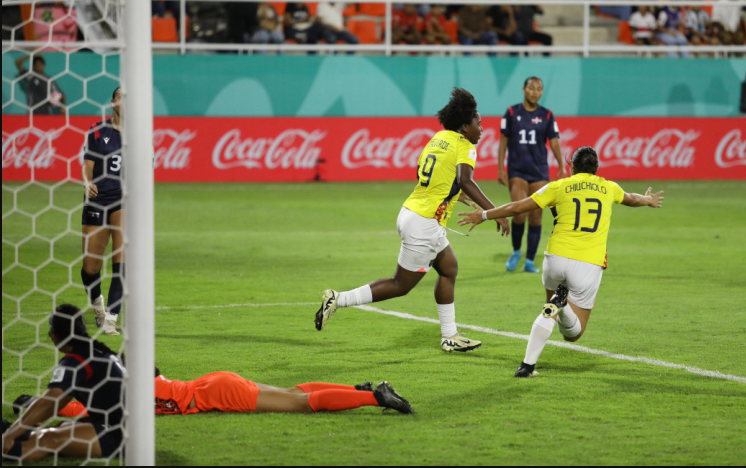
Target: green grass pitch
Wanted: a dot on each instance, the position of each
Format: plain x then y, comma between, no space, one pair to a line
674,291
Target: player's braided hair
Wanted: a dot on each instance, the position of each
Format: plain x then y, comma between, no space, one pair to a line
114,94
460,110
66,322
585,159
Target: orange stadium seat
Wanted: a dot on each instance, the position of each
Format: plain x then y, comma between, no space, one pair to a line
312,7
350,10
372,9
364,30
279,7
625,33
451,28
164,30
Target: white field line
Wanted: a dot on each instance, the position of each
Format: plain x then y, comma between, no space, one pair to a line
560,344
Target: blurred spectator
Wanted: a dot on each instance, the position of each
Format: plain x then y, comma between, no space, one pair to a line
743,97
503,23
699,27
670,22
727,23
474,27
267,32
242,21
330,16
435,30
300,26
524,18
406,26
39,87
643,25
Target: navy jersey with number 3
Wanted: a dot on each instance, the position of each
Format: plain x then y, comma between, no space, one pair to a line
104,148
528,133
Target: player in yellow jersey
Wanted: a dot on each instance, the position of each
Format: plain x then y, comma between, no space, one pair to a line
576,252
444,176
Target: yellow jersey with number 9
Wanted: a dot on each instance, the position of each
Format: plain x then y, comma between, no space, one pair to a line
437,189
583,204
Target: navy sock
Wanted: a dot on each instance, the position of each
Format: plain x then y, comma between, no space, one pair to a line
534,235
115,290
516,232
92,284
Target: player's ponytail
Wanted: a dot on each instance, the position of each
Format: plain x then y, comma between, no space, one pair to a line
585,159
66,323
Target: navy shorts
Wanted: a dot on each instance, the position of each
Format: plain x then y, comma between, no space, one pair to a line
110,439
97,212
529,175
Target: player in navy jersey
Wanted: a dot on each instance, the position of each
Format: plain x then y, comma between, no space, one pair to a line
525,129
103,215
90,373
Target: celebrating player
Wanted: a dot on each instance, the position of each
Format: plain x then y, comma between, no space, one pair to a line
89,372
230,393
103,215
445,169
576,252
525,130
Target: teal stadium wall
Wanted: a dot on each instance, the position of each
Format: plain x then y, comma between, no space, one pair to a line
239,85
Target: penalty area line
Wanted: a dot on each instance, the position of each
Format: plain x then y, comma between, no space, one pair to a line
562,344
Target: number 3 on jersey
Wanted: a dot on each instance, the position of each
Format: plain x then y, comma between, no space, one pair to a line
425,172
116,163
596,212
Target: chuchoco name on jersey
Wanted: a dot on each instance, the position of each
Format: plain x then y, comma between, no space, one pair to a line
576,187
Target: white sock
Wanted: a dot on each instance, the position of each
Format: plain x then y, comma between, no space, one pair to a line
569,323
361,295
540,333
447,314
113,317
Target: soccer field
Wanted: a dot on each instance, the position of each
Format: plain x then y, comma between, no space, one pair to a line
239,273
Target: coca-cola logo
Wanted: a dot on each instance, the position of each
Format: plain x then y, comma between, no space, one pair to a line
361,150
29,147
171,151
293,148
731,150
667,148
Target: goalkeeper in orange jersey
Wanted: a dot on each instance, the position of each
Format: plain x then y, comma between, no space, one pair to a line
576,252
230,393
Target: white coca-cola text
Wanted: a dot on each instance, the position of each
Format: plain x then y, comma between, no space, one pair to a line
667,148
293,148
731,150
171,151
29,147
361,150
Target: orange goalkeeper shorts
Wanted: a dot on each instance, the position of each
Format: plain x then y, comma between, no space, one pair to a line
226,392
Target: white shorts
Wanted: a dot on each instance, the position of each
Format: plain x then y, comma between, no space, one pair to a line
581,278
422,239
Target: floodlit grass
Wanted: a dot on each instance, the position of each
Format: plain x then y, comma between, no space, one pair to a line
674,291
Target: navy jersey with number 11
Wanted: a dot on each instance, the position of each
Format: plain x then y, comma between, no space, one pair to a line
528,133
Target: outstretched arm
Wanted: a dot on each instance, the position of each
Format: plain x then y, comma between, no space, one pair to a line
465,176
506,211
19,63
39,411
653,200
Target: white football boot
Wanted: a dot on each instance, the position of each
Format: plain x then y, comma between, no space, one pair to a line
99,310
459,343
110,325
327,309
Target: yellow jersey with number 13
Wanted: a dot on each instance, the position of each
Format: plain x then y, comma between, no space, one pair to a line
583,203
437,189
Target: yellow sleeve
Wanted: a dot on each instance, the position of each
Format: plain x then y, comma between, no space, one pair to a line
466,154
547,195
618,192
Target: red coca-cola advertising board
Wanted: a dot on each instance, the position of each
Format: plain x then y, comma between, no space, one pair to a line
215,149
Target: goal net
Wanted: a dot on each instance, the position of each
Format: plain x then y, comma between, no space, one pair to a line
62,62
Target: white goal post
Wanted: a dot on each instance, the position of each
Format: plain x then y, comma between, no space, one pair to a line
137,145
